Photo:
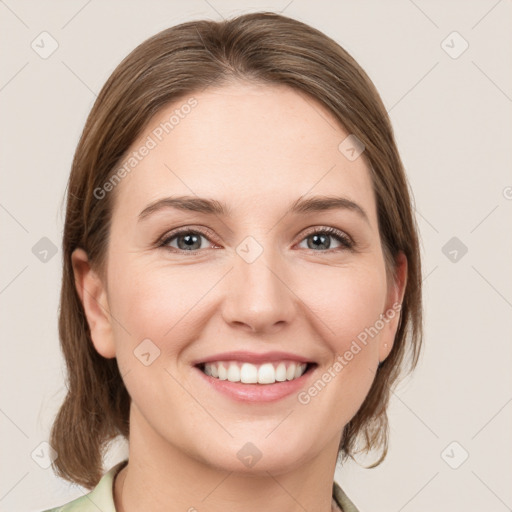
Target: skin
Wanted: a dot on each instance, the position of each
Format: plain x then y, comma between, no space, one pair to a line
257,148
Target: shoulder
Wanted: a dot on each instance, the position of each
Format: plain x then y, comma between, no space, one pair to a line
342,499
100,498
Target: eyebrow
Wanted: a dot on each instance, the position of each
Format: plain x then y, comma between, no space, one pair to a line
213,207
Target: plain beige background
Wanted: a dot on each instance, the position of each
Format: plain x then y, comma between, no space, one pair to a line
443,71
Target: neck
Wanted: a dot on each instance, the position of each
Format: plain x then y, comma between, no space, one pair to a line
162,477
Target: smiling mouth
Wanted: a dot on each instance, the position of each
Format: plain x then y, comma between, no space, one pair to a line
248,373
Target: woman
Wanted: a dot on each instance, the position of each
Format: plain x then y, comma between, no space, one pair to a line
242,281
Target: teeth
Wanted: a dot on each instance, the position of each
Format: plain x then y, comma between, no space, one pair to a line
266,374
281,372
223,373
247,373
233,373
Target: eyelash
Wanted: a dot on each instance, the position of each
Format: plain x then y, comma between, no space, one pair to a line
345,240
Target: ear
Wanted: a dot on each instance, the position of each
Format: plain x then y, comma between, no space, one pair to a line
92,293
393,309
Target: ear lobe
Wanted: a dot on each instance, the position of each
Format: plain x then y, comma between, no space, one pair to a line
93,296
396,291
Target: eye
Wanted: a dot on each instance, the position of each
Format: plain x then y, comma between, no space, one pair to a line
319,238
187,240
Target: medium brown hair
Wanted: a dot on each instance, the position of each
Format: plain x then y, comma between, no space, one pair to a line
262,47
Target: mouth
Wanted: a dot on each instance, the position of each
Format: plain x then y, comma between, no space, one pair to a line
242,372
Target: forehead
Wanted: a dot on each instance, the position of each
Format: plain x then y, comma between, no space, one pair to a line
242,144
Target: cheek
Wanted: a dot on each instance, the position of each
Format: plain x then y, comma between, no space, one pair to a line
154,301
159,302
156,317
346,301
347,304
172,306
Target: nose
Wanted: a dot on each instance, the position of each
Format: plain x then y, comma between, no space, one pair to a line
259,296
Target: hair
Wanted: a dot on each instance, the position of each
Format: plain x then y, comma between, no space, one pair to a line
259,47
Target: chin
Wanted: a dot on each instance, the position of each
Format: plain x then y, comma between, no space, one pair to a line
258,457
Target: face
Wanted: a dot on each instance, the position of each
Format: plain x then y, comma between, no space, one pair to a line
281,289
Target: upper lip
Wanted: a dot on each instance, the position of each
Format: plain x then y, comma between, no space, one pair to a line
252,357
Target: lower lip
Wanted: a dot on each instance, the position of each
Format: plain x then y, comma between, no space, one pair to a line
257,392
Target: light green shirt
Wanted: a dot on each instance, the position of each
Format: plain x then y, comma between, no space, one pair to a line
102,496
